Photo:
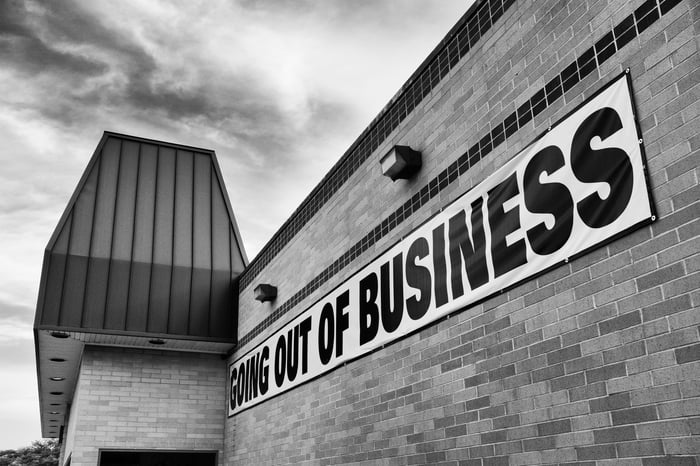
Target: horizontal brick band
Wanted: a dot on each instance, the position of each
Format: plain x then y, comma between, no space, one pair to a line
463,38
587,62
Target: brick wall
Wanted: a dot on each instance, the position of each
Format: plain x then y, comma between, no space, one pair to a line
140,399
596,362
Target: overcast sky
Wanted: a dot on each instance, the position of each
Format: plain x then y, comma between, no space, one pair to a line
279,89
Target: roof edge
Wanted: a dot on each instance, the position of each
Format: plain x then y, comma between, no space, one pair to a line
83,179
174,145
78,189
126,333
232,217
424,64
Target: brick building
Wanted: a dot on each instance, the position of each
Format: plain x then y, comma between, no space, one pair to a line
528,296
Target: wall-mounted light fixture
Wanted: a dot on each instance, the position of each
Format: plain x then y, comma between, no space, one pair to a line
401,162
265,292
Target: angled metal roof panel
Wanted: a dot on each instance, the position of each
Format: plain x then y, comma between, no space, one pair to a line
147,245
147,248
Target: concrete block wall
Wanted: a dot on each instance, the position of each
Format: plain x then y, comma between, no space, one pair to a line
595,362
144,399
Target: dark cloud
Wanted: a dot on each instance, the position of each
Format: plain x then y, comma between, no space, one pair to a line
85,69
67,24
35,39
212,77
23,49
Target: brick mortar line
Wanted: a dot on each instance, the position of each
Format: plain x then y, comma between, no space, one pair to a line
587,62
441,61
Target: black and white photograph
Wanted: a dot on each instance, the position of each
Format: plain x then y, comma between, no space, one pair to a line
391,232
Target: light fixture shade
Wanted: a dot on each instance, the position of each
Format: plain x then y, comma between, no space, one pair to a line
401,162
265,292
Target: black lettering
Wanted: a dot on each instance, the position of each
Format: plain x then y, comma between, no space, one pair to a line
304,329
369,312
391,318
252,368
439,265
232,391
292,353
548,198
610,165
418,277
241,391
263,370
280,360
472,251
502,223
326,334
342,321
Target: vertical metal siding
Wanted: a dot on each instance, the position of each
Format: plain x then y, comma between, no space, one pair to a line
70,311
221,263
159,305
122,237
147,246
201,245
182,245
56,271
142,250
95,301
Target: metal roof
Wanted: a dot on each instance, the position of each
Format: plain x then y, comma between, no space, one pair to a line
146,250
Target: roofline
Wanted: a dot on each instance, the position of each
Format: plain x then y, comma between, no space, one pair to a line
156,141
38,315
71,202
127,333
83,179
35,332
232,217
214,158
424,64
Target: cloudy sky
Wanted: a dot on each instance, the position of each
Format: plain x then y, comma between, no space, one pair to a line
279,89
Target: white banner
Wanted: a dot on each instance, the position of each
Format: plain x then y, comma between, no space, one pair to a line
573,189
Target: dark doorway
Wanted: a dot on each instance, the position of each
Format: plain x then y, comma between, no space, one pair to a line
157,458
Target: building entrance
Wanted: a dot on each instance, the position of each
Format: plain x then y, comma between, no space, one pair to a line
156,458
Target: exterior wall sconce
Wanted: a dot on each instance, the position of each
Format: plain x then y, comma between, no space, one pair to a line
401,162
265,292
